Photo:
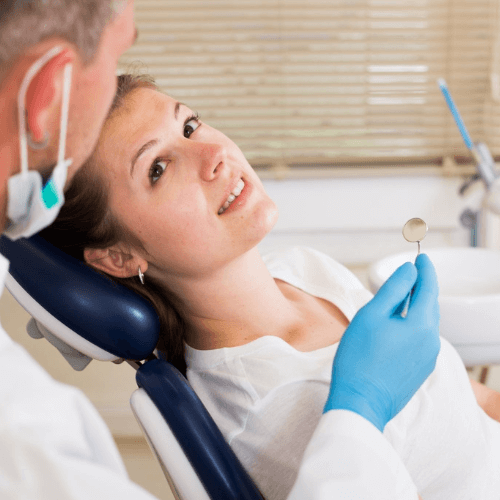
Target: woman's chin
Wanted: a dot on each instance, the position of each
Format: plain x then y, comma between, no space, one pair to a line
272,217
267,218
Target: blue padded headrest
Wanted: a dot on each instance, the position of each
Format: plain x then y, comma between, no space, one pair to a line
101,311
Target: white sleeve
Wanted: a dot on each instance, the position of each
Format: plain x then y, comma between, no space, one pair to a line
348,457
53,442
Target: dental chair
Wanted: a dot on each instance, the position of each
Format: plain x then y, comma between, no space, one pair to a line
88,316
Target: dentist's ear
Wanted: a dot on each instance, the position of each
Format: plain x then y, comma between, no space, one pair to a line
44,94
115,262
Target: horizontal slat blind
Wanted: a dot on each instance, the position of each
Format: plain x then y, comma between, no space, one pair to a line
323,81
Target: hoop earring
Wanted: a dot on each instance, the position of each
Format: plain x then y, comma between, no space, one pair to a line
38,145
141,275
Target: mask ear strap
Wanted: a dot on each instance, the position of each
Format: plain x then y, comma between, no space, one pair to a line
21,103
64,113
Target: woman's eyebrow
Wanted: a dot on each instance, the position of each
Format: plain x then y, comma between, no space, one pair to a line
177,106
152,142
148,145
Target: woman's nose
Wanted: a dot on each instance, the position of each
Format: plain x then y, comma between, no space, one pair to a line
211,159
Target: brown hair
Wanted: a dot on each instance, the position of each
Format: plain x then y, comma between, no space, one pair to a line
85,221
24,23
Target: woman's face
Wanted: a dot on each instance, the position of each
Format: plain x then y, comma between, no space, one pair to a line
170,177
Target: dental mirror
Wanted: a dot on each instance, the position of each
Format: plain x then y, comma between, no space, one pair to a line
414,231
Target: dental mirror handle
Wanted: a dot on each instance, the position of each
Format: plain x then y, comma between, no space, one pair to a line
404,312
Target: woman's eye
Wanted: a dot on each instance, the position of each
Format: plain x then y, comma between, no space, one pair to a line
156,170
191,125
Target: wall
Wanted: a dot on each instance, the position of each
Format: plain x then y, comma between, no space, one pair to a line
359,220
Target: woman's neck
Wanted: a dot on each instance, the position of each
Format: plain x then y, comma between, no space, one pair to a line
235,305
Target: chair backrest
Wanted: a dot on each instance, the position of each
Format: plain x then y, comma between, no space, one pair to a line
106,321
220,474
78,305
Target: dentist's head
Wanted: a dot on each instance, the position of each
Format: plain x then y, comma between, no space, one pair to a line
58,62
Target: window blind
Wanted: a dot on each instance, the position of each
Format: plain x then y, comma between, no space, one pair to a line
326,82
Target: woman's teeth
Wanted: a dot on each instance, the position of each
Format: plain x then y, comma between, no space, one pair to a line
234,194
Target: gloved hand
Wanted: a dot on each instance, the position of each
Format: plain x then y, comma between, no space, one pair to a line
75,358
382,358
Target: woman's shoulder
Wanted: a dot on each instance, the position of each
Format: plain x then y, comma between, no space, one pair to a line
298,258
307,265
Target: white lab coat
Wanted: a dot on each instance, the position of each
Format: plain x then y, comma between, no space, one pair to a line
54,444
349,458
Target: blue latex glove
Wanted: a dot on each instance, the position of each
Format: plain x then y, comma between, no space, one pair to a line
382,358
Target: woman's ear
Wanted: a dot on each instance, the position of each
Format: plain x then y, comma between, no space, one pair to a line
115,261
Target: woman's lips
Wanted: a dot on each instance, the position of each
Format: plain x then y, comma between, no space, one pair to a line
238,200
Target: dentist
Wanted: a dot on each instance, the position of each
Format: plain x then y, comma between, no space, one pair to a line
58,61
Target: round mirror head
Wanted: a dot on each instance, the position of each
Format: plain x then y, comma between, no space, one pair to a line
415,230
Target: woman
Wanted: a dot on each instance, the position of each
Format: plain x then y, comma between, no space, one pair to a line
170,201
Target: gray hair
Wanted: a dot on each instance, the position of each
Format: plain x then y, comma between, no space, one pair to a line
24,23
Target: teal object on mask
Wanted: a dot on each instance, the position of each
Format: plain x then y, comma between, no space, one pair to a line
49,195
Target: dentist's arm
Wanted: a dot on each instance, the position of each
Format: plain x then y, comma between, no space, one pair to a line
381,362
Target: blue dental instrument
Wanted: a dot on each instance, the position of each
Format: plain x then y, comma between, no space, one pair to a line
480,152
456,115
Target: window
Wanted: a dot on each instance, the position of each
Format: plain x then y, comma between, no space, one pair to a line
325,82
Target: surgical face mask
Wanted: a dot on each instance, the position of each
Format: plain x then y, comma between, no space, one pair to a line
33,206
